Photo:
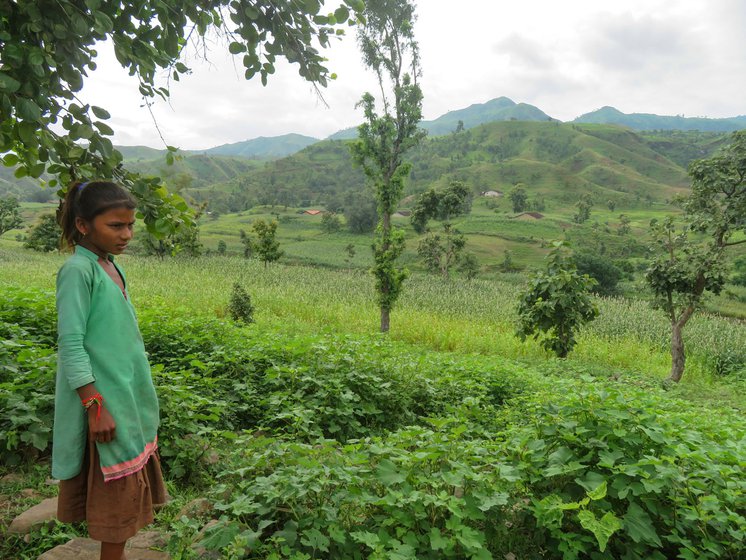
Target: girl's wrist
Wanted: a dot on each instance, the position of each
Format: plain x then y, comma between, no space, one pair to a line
95,399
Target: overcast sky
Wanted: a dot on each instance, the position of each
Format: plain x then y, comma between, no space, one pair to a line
567,58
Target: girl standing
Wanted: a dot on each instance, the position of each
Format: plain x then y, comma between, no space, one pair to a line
106,411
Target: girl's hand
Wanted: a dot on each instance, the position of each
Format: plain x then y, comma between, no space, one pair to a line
101,430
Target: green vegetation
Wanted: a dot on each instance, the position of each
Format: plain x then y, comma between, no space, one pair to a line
556,303
44,236
556,162
49,50
312,438
390,50
10,214
684,269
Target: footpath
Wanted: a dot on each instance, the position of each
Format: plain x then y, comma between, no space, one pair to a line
144,546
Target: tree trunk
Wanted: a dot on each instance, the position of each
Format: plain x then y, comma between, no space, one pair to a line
385,320
678,358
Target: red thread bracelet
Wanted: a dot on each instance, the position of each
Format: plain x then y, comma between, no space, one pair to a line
89,402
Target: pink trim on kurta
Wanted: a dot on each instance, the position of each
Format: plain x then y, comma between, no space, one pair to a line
127,468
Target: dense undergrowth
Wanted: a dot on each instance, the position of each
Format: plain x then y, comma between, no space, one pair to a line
352,446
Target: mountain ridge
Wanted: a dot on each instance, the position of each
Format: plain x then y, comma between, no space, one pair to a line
651,121
494,110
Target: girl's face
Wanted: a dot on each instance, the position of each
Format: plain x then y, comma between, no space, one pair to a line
107,233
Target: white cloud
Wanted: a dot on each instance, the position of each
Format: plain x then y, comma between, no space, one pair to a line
567,58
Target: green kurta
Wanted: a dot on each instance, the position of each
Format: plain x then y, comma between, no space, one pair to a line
99,342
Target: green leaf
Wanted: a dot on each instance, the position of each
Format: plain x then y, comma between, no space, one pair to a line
599,492
437,542
220,535
640,526
28,110
100,113
315,539
341,14
602,529
8,84
9,160
104,128
388,474
367,538
236,47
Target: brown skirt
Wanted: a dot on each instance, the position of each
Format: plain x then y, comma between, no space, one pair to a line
116,510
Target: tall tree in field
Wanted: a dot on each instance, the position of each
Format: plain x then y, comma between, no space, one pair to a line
48,47
10,214
266,248
389,49
685,267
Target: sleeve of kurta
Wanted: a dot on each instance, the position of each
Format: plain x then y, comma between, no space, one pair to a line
74,287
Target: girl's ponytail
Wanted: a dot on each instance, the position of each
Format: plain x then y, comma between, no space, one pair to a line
87,200
66,217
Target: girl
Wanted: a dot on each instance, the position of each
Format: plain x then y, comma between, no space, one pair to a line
106,410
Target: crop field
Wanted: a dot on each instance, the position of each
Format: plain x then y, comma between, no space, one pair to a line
448,438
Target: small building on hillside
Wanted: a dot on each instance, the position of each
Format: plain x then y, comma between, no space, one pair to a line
312,212
529,216
403,213
493,194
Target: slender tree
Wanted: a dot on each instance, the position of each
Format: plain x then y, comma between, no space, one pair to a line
389,49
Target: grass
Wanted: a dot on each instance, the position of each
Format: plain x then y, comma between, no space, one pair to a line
474,317
626,345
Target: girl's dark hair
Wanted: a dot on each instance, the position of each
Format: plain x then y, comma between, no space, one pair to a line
88,200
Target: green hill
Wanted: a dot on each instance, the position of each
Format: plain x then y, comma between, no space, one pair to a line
195,171
138,153
556,161
498,109
647,121
264,147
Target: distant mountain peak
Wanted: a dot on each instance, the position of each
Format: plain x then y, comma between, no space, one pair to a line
649,121
497,109
265,146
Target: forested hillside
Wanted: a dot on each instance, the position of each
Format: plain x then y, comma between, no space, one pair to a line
556,161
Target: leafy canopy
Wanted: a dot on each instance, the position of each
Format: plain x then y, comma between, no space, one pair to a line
10,214
556,303
686,266
47,48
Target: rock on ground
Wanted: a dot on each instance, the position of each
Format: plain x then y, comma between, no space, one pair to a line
87,549
44,512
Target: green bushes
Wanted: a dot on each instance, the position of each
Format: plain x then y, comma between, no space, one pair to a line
630,476
27,373
333,446
598,475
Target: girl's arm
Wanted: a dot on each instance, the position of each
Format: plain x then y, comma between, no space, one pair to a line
73,306
101,425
